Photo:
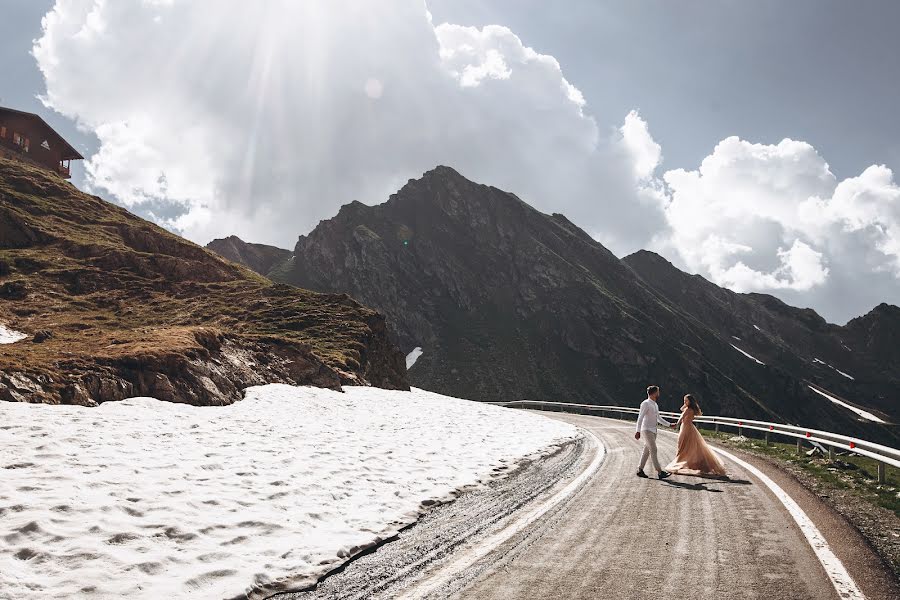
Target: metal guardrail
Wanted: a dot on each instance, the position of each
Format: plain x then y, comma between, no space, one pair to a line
884,455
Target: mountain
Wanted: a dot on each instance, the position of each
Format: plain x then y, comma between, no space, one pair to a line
510,303
859,362
114,306
258,257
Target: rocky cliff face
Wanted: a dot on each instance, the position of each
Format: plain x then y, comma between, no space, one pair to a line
114,306
510,303
258,257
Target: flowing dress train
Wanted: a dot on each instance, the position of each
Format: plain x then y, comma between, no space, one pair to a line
694,456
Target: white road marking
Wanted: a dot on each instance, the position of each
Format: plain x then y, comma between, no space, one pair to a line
472,555
844,584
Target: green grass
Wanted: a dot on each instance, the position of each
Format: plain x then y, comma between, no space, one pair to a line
848,471
112,288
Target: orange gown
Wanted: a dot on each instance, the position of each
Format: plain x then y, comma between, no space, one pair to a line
694,456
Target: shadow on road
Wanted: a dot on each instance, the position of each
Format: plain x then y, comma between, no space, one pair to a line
696,487
701,487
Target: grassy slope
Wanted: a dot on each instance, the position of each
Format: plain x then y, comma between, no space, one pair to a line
116,291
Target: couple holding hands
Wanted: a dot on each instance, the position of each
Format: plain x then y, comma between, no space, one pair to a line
694,456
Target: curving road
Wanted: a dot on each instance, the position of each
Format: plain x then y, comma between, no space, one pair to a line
686,537
617,536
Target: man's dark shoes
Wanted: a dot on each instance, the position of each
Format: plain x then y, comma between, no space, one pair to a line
664,474
640,473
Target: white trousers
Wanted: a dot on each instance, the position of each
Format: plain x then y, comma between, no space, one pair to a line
649,438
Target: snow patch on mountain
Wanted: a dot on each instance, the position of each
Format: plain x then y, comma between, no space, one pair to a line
835,369
10,336
413,356
748,355
862,413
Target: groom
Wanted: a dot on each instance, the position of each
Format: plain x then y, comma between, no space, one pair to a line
645,428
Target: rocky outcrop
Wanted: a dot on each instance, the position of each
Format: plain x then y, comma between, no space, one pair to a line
116,307
257,257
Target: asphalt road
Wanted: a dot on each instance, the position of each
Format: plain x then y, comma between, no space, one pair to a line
617,536
686,537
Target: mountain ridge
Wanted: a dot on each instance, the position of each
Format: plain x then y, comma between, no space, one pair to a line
509,303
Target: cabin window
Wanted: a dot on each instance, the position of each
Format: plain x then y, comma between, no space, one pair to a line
3,132
17,139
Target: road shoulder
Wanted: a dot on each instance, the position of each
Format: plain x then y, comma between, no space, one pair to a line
400,563
870,571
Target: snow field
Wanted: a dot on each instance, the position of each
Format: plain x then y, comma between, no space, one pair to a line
147,499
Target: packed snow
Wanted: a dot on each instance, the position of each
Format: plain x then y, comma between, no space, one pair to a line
10,336
413,356
148,499
862,413
747,355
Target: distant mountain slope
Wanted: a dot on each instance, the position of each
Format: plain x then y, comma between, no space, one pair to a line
511,303
859,362
258,257
115,306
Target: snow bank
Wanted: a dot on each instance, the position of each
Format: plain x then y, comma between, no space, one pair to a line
747,355
413,356
147,499
862,413
10,336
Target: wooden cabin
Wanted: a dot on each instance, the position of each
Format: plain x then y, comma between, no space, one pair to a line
26,136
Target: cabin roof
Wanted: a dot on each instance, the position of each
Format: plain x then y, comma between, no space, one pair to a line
68,153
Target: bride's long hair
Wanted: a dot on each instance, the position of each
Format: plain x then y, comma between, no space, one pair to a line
693,404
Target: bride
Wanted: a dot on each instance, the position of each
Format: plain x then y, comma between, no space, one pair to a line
694,457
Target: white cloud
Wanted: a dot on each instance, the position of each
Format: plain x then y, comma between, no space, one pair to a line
262,118
774,218
644,150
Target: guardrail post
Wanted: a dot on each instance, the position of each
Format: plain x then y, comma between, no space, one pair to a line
717,427
740,432
881,474
768,443
799,447
831,453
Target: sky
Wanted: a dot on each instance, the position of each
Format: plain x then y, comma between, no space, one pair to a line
754,143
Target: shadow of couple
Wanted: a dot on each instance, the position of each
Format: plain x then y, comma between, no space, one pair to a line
701,487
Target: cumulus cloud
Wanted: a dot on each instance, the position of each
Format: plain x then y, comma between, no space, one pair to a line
644,150
774,218
262,118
